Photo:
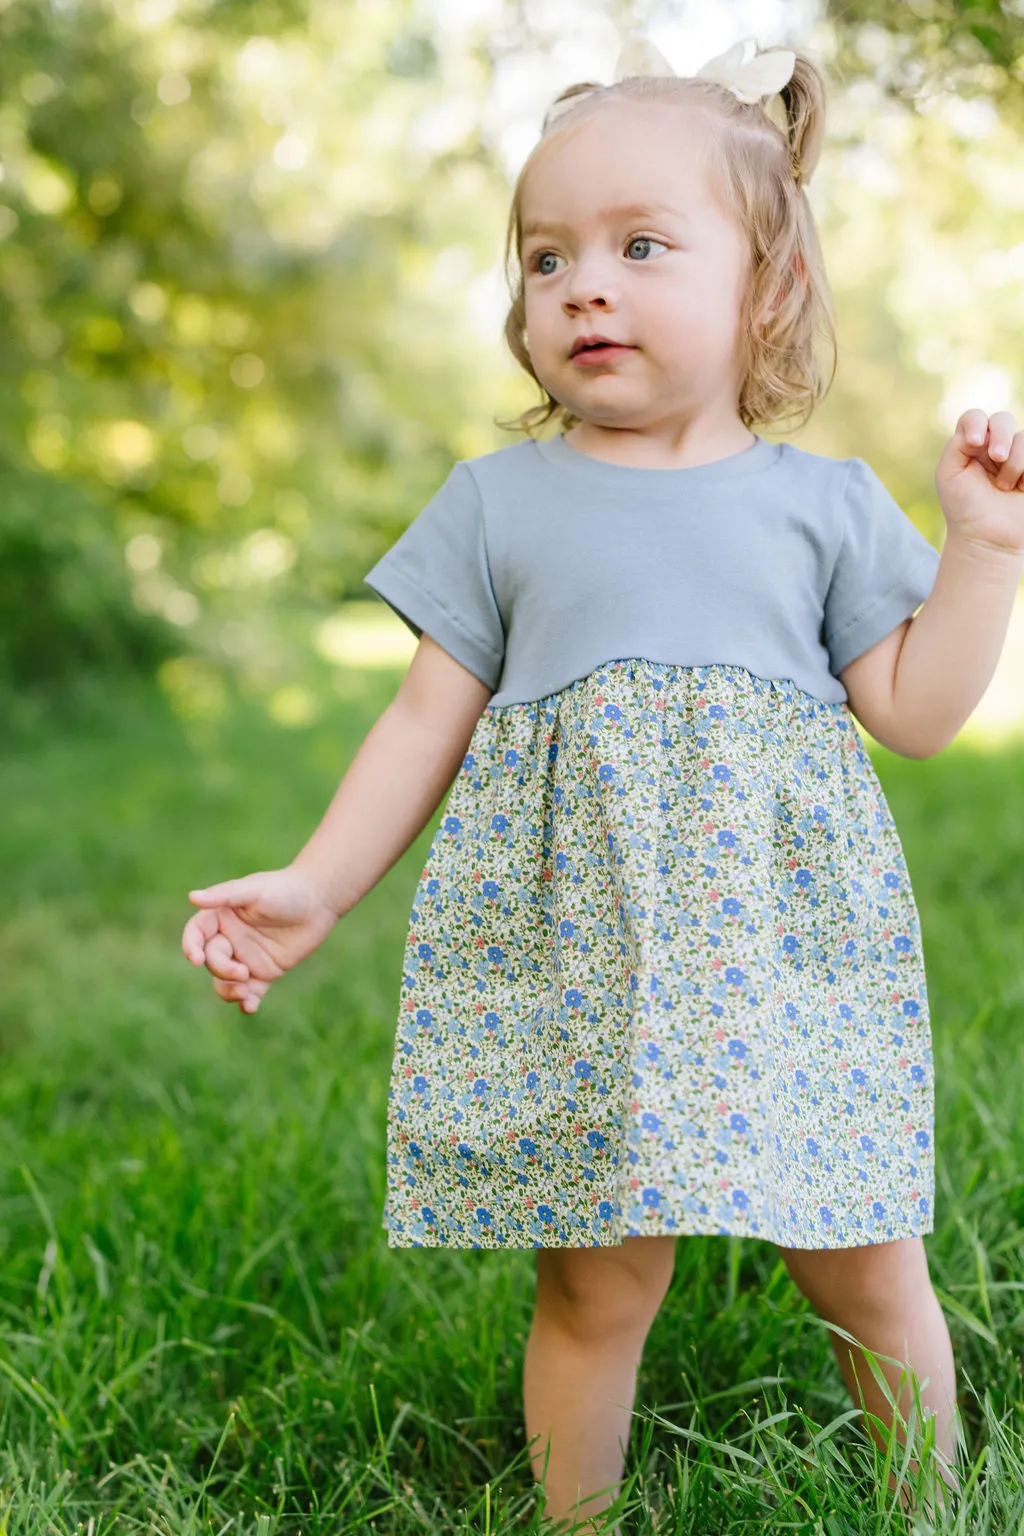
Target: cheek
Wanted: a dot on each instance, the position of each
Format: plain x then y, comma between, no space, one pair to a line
537,315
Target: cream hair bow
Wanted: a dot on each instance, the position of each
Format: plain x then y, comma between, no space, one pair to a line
741,69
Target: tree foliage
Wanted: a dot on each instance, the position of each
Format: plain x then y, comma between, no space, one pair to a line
249,258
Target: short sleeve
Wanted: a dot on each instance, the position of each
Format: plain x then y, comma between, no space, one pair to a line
437,579
884,570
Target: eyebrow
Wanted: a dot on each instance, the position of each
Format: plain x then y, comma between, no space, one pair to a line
632,210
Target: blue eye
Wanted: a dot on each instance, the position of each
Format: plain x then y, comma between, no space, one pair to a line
647,240
537,259
539,256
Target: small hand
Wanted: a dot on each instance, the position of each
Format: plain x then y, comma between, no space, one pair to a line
253,929
980,481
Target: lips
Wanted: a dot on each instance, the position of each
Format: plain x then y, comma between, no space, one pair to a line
582,342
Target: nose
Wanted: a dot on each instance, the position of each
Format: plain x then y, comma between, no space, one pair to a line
590,284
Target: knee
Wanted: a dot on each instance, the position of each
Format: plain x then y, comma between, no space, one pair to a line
864,1288
605,1293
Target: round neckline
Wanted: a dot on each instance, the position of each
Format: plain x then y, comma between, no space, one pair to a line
759,455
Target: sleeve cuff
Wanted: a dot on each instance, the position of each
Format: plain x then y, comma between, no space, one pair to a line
901,600
421,612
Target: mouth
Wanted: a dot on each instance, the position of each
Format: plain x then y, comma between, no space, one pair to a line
593,343
598,350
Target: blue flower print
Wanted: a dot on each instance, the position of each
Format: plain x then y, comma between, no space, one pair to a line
663,974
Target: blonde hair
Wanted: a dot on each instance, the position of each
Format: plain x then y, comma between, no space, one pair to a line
758,170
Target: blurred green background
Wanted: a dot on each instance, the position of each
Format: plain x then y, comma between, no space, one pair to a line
251,302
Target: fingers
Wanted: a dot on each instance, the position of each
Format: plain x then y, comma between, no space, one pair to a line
1008,452
973,425
221,940
246,994
195,934
221,960
204,944
247,945
229,893
995,442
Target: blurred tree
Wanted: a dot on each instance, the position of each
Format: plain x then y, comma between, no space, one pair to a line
219,298
249,257
919,199
969,47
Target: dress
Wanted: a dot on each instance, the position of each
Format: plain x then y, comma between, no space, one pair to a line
663,972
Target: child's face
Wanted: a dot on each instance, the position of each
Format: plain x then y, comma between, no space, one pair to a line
676,303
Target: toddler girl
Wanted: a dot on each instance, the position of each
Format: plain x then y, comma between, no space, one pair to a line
663,975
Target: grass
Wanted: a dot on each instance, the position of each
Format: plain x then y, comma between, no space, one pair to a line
201,1326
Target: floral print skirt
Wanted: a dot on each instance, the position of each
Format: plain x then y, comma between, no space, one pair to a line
663,974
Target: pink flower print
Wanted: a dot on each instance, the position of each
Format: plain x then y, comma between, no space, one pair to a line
634,1105
712,895
722,1107
408,1071
723,1183
709,827
634,1183
719,1034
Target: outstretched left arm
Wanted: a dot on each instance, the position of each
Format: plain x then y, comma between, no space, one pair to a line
952,645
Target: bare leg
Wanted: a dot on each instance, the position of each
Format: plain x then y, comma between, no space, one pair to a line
882,1295
593,1310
